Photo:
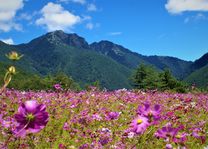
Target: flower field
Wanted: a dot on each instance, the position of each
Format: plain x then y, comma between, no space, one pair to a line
99,119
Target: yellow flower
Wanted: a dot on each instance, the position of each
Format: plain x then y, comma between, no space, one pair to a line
12,70
14,56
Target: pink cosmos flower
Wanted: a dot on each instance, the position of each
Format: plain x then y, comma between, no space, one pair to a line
166,132
66,126
139,125
180,138
153,113
31,118
57,86
112,115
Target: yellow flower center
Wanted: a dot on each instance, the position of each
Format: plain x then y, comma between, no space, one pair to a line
139,121
178,136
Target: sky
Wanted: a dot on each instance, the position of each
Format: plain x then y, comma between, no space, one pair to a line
177,28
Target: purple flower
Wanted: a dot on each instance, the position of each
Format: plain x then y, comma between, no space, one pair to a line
166,132
139,125
84,146
168,146
31,118
96,117
180,138
104,140
197,133
57,86
112,115
149,112
66,126
61,146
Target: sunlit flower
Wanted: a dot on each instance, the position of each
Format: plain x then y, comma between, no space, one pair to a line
152,113
139,125
14,56
31,118
12,70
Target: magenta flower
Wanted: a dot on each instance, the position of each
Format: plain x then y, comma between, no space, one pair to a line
180,138
57,86
31,118
197,133
112,115
139,125
153,113
167,132
66,126
168,146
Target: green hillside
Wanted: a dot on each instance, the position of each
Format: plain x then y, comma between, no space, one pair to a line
50,54
199,77
106,62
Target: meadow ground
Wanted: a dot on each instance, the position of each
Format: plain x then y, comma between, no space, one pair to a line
119,119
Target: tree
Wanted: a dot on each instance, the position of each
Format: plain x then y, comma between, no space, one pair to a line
145,77
167,80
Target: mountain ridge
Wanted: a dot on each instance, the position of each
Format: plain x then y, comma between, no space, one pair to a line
72,54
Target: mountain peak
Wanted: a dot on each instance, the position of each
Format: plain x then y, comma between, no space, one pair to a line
69,39
201,62
60,37
107,47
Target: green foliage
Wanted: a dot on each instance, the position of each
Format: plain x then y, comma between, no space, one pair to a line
28,81
199,77
146,77
167,80
178,67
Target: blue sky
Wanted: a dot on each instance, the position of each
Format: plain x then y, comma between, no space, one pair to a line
176,28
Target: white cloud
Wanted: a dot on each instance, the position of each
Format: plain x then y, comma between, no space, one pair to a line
179,6
75,1
89,26
91,7
115,33
8,41
25,16
8,9
55,17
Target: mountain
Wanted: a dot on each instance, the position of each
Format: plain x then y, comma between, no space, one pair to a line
118,53
179,68
57,51
199,75
201,62
110,63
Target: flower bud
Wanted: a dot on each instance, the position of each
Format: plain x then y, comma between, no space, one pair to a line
14,56
12,70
